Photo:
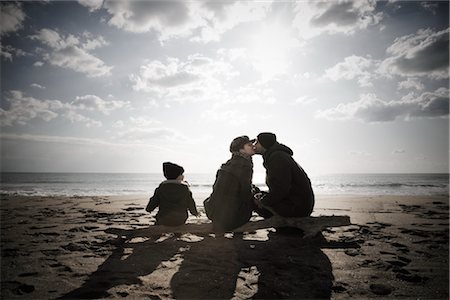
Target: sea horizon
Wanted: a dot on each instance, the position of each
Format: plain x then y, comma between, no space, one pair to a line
120,183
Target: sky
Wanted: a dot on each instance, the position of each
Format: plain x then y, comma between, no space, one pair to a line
122,86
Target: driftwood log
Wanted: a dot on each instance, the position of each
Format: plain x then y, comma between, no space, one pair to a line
310,226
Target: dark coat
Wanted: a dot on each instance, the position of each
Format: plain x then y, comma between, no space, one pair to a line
290,192
231,202
173,198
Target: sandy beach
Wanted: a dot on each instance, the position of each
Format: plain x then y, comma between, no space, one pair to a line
90,247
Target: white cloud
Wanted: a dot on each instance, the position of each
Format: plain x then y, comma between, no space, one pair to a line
71,52
73,116
92,42
143,122
142,129
359,153
372,109
9,51
354,67
6,55
431,6
93,5
424,53
202,21
164,75
95,103
316,17
11,17
411,83
232,54
79,141
23,109
251,93
220,17
38,86
305,100
231,117
399,151
195,79
118,124
138,134
55,139
143,16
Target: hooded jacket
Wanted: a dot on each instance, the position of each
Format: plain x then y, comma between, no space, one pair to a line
290,192
173,198
231,202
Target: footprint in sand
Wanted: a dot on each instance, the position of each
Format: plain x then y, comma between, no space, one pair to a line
413,278
133,208
400,247
61,267
29,274
18,288
352,252
380,289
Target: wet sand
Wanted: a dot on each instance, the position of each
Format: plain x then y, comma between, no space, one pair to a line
87,247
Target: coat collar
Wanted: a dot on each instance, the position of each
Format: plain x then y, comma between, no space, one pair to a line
175,181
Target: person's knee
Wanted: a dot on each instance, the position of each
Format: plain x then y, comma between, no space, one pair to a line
262,212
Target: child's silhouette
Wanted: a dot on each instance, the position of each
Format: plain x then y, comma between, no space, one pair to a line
173,197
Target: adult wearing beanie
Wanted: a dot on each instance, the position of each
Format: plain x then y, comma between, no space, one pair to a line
231,203
290,192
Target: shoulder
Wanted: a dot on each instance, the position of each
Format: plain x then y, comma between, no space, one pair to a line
174,182
174,185
279,156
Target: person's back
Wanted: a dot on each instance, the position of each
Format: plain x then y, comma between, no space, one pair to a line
173,197
290,192
231,202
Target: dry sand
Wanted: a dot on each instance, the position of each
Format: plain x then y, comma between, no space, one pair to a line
82,247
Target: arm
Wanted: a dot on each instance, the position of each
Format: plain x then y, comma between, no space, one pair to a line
153,202
279,180
191,205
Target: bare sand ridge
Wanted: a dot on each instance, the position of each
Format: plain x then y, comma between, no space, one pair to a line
89,247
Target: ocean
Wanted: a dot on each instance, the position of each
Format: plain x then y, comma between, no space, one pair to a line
114,184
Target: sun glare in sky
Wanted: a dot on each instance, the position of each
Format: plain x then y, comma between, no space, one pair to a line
271,49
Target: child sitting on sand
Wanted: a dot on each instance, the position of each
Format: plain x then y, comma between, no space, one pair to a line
173,197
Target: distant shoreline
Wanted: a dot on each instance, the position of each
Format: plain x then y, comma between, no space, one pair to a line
100,184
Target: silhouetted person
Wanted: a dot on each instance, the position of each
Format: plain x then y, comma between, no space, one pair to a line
173,197
290,192
231,202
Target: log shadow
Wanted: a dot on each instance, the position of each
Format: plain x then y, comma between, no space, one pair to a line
284,266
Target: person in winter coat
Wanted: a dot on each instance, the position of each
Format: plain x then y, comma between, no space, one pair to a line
173,197
290,192
231,203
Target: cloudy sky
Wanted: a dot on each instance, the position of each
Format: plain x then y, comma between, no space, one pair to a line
116,86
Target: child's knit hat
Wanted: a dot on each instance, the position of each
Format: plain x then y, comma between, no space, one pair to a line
171,170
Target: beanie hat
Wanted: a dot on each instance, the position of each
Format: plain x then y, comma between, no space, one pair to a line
171,170
267,139
239,142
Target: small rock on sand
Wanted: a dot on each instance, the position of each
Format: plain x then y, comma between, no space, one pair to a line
380,289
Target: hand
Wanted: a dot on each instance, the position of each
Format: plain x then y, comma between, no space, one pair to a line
257,202
258,196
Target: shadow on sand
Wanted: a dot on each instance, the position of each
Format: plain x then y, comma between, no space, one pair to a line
206,267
